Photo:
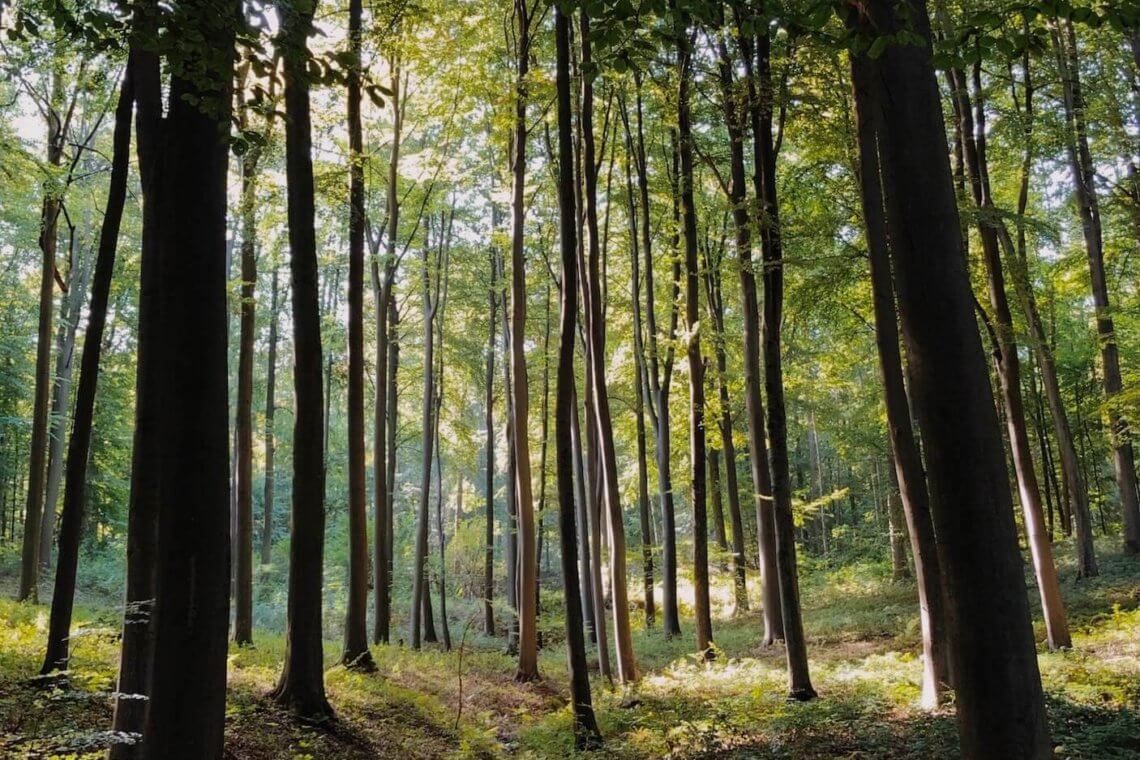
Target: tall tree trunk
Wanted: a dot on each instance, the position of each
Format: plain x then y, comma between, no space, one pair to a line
142,512
356,654
660,379
421,594
753,401
764,181
719,530
585,564
301,687
41,394
592,532
489,490
185,716
697,465
393,418
641,379
445,243
1088,204
270,432
586,734
79,445
595,328
71,303
520,393
1000,702
971,116
384,423
905,456
243,423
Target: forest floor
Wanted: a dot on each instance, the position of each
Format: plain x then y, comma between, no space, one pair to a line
863,642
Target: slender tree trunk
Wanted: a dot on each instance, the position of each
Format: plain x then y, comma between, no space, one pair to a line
1088,204
719,531
421,594
586,734
356,654
41,394
520,393
301,687
383,422
753,379
185,716
595,328
243,423
697,465
593,533
270,432
1000,702
489,404
764,179
641,380
71,303
142,515
439,466
585,563
79,445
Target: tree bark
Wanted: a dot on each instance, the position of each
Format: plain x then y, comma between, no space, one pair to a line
356,654
905,456
79,445
270,432
301,687
586,734
185,716
764,180
520,392
753,400
489,404
697,465
1000,702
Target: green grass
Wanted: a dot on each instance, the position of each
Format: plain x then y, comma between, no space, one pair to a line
863,642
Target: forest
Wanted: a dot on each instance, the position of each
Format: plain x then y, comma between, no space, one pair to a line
633,378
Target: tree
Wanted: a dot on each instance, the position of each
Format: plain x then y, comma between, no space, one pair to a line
356,654
997,684
79,445
520,395
301,686
586,734
697,463
185,715
270,432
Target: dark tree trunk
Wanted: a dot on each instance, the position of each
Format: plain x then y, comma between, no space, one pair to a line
489,489
527,595
753,400
581,511
905,456
697,465
142,515
1000,703
301,687
641,379
79,446
270,432
243,423
384,415
356,654
764,179
185,716
586,734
